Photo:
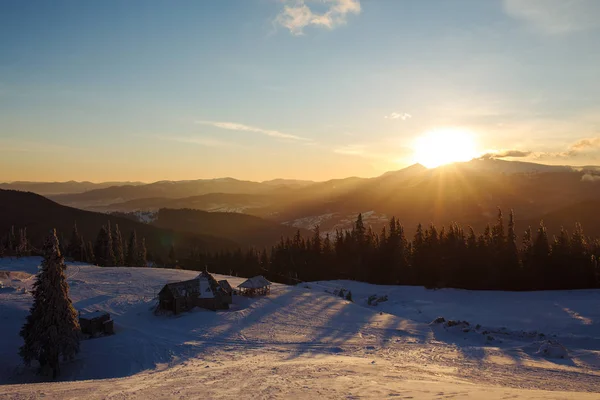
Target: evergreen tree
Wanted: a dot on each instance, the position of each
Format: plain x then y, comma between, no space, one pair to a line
132,250
540,258
172,256
75,245
512,255
52,329
22,249
91,259
84,252
349,296
118,247
264,260
141,258
103,250
11,242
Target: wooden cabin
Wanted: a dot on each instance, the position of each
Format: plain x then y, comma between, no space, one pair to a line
257,285
96,323
204,291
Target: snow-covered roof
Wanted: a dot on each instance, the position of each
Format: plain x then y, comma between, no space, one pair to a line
206,291
92,314
256,282
225,286
204,285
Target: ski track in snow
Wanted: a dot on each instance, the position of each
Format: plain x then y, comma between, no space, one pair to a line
304,342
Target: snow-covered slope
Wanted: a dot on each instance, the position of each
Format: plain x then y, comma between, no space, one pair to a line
304,342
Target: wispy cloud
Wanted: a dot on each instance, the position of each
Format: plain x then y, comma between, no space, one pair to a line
234,126
585,145
581,148
297,15
506,154
556,16
396,115
198,140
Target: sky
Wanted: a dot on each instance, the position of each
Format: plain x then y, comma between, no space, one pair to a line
146,90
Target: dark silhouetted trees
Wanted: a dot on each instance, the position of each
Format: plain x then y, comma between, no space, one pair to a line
51,331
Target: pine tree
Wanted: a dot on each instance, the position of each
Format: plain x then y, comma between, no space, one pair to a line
512,255
103,250
349,296
132,250
52,329
75,245
359,229
264,260
540,258
118,247
110,252
11,242
141,259
22,249
84,252
91,259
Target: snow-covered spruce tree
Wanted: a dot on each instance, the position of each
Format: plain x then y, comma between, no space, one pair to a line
51,331
118,247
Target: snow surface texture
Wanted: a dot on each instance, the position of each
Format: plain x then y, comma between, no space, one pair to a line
304,342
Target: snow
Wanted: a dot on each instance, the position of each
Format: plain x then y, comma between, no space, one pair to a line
303,342
92,315
332,222
205,290
255,282
553,349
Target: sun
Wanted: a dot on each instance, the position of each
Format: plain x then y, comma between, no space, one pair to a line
444,146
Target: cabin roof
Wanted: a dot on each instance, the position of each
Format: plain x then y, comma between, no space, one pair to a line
204,286
225,286
256,282
92,314
182,289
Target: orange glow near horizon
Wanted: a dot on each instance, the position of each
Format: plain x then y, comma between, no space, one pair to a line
444,146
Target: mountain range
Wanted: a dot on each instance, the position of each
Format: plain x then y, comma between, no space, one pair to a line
469,193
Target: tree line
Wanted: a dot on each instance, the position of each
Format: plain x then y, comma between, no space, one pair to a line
496,259
108,250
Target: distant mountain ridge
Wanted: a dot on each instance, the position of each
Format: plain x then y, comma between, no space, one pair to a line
468,193
55,188
39,214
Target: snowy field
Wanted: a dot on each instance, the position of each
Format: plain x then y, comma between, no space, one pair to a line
305,342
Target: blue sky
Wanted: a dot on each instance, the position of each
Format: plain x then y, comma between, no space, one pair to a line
258,89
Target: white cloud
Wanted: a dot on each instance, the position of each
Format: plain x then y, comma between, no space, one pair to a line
395,115
556,16
297,15
590,178
581,148
234,126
